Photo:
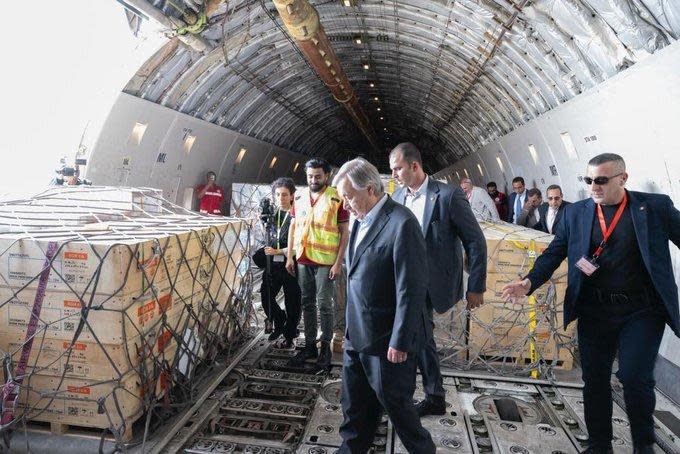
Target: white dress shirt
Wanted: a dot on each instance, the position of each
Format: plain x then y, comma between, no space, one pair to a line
550,218
415,201
367,221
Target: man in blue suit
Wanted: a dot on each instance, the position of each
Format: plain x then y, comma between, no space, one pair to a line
516,199
622,290
446,220
385,315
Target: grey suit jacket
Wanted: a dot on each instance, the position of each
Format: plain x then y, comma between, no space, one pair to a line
386,284
448,220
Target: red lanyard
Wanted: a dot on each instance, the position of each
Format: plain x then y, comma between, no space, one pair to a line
607,232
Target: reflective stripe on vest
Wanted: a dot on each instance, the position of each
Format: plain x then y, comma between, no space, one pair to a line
316,227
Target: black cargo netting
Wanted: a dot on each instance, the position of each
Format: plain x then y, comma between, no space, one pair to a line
114,304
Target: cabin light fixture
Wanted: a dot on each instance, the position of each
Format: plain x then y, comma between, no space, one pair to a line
241,154
189,142
273,162
137,134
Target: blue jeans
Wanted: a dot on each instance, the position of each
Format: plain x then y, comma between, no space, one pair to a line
634,328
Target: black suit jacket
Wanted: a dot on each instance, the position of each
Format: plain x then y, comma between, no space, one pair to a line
543,215
386,284
447,221
655,221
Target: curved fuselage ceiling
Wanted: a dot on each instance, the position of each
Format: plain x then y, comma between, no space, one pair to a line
449,75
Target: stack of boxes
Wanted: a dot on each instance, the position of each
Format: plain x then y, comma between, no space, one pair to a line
502,332
129,308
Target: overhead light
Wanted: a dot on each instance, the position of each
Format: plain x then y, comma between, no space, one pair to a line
273,163
357,40
297,164
382,118
371,85
385,129
378,109
375,99
349,2
366,66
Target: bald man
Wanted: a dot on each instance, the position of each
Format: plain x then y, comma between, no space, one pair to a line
481,203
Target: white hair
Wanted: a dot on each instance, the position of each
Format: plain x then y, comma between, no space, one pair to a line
361,174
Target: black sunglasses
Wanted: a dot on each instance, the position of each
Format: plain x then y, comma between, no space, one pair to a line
600,181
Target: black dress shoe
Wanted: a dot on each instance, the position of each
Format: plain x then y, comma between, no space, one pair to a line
278,331
285,344
431,406
648,449
592,450
309,352
325,355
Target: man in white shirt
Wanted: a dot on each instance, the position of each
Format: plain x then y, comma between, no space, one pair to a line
551,212
516,199
482,205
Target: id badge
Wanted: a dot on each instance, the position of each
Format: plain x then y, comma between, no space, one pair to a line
586,266
279,258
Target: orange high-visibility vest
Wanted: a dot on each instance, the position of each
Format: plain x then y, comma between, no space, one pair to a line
316,227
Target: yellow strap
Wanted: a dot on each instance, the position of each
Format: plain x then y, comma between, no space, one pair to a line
533,354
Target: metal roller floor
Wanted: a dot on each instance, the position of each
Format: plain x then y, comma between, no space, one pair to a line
265,406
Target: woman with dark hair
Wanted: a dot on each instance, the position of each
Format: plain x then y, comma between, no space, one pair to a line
285,322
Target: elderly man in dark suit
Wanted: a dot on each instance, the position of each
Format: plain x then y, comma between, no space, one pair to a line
446,220
386,318
622,290
551,212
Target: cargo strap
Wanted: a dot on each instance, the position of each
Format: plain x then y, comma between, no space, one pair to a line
533,354
10,390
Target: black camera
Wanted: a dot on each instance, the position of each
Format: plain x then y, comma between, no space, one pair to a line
267,210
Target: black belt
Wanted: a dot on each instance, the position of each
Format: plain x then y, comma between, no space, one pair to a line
621,297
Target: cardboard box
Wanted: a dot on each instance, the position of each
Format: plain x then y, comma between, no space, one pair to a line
512,249
115,264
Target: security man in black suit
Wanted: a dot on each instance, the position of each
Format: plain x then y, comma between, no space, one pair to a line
446,220
386,317
621,288
551,212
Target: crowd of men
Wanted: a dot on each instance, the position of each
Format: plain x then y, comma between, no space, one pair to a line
402,259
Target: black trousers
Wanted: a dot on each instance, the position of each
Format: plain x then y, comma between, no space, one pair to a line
428,363
370,383
633,325
289,318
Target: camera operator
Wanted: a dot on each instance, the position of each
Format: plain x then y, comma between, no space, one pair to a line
285,323
69,176
210,195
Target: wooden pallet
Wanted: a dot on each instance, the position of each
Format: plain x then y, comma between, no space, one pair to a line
57,428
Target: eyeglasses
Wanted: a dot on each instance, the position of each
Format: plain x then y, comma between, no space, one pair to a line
556,197
600,181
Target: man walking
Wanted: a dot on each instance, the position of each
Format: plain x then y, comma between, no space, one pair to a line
386,317
318,238
446,220
622,290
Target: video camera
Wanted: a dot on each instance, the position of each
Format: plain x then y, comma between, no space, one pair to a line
267,210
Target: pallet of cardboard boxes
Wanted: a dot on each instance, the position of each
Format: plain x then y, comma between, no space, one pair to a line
128,306
500,332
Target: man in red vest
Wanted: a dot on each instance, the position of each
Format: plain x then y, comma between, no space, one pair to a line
210,195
